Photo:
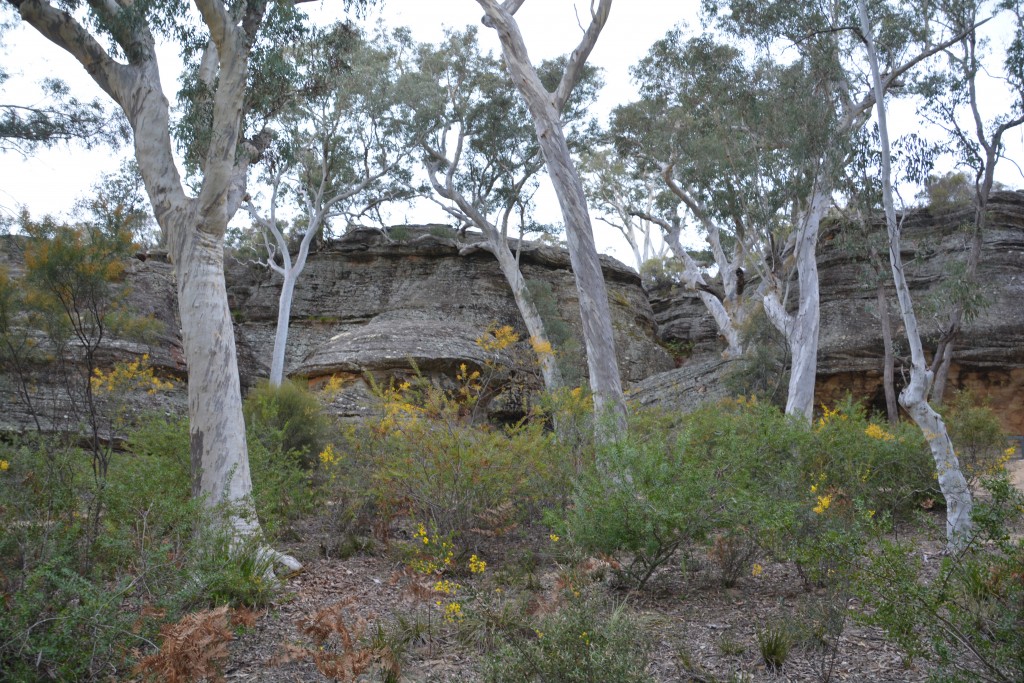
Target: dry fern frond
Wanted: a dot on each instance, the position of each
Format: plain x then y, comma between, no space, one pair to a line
496,521
192,649
352,661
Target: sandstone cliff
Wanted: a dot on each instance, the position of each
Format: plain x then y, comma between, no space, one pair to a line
367,305
370,305
989,359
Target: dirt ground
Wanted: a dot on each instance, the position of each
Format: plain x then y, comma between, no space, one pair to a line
697,630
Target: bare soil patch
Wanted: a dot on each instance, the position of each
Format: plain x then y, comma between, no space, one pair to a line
697,630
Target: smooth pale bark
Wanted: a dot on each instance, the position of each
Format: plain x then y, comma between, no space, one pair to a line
728,312
913,398
528,310
545,108
194,227
289,270
801,330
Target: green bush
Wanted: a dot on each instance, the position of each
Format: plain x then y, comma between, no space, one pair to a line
968,618
977,436
287,419
153,554
283,488
426,459
584,641
887,469
61,625
730,469
642,499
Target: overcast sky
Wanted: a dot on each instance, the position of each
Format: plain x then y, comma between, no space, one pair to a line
52,180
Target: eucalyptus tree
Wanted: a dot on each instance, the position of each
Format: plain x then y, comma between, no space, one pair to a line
778,176
546,107
627,201
232,86
723,136
914,396
951,101
482,158
341,151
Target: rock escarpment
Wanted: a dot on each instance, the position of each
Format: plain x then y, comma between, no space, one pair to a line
372,306
366,306
988,360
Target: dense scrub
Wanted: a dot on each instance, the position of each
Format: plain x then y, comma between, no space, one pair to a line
475,513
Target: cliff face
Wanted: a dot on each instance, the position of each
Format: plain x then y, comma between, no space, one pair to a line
372,306
369,305
365,306
988,360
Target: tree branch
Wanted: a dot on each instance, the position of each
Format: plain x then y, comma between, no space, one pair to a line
67,33
574,69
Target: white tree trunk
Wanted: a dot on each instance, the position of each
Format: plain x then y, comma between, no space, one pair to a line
531,316
284,313
220,467
801,330
598,335
952,483
728,324
194,228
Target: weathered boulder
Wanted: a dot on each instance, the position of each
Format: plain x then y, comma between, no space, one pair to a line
989,359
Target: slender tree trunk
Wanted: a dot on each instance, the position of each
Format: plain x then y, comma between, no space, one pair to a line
959,503
801,331
598,335
531,316
892,409
728,323
284,313
602,363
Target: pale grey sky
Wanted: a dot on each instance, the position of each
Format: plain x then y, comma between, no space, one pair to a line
53,180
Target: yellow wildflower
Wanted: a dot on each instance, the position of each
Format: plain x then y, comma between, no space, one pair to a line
447,587
823,504
756,570
476,565
453,612
541,348
554,538
876,432
328,456
4,465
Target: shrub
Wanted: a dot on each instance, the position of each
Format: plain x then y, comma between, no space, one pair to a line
49,621
643,499
968,618
287,419
429,460
582,642
887,469
977,435
730,468
153,555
